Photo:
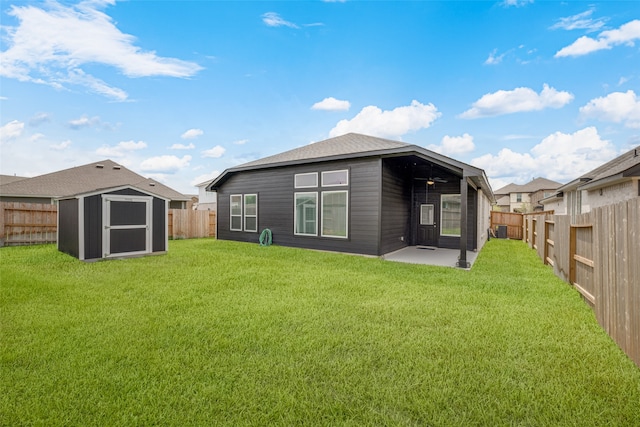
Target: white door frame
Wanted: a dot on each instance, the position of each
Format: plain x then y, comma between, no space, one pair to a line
107,227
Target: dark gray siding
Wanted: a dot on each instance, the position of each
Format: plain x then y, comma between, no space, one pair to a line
93,227
275,189
68,232
395,230
159,225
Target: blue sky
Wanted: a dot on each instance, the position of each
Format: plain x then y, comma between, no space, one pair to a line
181,90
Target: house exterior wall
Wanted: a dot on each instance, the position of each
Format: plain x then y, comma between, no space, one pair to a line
275,190
610,195
483,219
514,204
396,229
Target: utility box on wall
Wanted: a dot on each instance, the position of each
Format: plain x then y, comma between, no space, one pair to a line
112,223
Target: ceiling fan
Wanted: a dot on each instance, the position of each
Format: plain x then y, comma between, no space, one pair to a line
431,180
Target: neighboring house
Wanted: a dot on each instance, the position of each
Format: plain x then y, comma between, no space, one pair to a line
358,194
6,179
207,200
526,197
613,182
83,179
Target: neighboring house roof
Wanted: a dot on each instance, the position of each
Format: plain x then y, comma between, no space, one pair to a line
532,186
6,179
615,170
87,178
354,145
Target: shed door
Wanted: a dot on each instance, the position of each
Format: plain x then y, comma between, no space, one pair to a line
127,225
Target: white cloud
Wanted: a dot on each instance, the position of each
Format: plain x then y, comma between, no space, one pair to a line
11,130
241,141
214,152
516,3
493,58
182,147
39,119
165,164
51,44
121,149
35,137
84,122
626,34
452,145
617,107
560,157
273,19
581,21
62,146
331,104
518,100
394,123
192,134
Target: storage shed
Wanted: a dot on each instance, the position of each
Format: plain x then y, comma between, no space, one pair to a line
112,223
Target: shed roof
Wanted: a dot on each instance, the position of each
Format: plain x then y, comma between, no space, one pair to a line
84,179
355,145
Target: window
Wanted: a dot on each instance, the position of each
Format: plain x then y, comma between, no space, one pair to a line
518,197
235,207
335,178
426,215
450,215
250,212
334,213
306,180
306,214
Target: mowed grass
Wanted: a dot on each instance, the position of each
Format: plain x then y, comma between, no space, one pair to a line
225,333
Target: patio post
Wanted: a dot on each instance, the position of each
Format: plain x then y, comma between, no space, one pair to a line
462,260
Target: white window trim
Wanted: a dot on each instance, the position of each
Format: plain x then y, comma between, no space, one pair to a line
442,216
346,236
305,186
244,211
295,218
231,215
336,185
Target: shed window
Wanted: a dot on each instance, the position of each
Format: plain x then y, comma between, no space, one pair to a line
306,180
450,215
235,208
306,212
334,213
335,178
250,212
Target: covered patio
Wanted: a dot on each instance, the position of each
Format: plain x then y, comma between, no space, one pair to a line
430,255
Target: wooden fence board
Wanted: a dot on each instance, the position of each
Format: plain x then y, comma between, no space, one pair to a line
599,254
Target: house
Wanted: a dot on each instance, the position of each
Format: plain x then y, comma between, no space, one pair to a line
612,182
83,179
113,222
526,197
207,200
358,194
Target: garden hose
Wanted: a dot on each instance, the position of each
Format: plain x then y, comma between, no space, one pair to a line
266,237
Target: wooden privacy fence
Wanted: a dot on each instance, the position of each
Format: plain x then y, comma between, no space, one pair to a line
27,223
36,223
189,224
513,222
599,255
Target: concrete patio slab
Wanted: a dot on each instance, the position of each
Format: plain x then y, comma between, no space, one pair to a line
429,255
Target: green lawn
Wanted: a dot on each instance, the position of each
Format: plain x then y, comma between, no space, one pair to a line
225,333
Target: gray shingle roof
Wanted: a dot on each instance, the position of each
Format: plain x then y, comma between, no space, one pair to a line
615,166
351,143
532,186
85,179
